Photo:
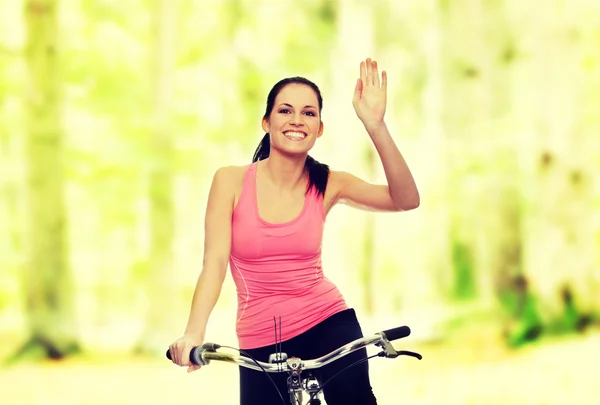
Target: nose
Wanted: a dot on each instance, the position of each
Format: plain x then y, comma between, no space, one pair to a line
296,120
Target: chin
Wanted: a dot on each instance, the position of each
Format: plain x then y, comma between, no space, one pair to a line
297,152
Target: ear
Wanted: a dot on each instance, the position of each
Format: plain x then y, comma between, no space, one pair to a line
265,125
320,130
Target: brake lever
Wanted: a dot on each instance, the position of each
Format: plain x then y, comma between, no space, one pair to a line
388,349
411,354
390,352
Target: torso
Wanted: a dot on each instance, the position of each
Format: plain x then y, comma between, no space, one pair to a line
275,257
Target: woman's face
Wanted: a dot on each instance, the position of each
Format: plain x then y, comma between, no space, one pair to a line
294,123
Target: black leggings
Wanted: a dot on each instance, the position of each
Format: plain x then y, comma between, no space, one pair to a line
350,387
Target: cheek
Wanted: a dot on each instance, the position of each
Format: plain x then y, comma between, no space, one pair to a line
315,126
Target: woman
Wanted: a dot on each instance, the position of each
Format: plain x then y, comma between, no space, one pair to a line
266,221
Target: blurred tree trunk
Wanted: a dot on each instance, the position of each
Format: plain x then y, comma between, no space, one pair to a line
367,267
558,165
434,179
9,194
159,285
47,280
418,242
355,44
12,197
486,218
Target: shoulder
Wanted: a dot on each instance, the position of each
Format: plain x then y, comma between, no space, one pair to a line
335,183
338,179
228,182
230,175
339,176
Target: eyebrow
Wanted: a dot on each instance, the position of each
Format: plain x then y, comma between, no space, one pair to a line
291,106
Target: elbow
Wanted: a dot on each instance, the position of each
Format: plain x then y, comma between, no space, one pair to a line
215,267
408,204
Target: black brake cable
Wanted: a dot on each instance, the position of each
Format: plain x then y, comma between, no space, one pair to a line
356,363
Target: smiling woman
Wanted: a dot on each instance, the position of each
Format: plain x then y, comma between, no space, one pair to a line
266,220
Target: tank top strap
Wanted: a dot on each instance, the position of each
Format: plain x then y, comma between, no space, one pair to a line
248,195
250,177
315,201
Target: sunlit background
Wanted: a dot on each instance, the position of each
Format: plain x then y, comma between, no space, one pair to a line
114,116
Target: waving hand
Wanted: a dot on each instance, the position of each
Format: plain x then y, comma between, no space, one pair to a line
370,94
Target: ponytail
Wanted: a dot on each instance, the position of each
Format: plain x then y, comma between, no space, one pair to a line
263,150
318,173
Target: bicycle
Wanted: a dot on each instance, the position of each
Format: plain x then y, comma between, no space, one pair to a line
294,366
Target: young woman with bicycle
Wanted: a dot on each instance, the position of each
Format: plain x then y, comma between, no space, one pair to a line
265,220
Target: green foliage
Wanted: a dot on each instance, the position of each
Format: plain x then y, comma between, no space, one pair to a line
327,13
525,325
464,283
5,298
39,348
307,52
232,13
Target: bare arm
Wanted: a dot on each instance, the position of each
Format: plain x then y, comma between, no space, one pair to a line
217,244
400,194
401,184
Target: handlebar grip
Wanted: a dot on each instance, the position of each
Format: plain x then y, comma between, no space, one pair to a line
397,333
196,353
194,358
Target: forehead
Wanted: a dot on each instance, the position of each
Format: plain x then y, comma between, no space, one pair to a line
297,94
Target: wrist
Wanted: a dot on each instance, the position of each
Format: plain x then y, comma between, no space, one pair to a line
196,335
375,127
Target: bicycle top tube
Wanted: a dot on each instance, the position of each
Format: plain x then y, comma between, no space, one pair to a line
202,355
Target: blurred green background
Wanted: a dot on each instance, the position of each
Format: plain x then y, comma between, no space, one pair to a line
115,115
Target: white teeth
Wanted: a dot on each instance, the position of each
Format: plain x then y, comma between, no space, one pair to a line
294,136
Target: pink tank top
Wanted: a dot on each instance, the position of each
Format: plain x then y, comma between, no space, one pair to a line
277,270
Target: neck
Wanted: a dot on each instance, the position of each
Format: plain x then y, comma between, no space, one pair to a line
286,172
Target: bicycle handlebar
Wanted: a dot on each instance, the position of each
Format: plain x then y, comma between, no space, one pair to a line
202,355
396,333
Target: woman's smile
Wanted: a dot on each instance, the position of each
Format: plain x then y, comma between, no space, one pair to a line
295,135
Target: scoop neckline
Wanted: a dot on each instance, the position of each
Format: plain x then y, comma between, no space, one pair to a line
257,211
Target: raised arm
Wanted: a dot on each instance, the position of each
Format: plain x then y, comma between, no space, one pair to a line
401,193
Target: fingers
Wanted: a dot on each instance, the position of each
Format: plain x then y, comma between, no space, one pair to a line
376,81
180,354
192,368
384,81
357,90
369,73
173,353
180,351
185,356
363,73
